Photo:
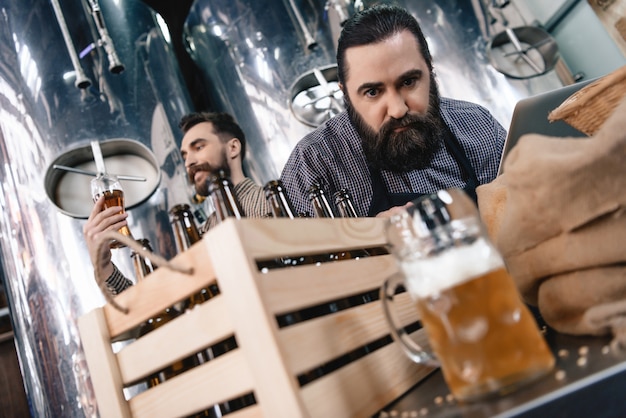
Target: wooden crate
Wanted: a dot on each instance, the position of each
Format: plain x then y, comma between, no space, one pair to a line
268,358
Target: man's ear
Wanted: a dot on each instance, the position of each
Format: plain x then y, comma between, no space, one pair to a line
233,147
341,88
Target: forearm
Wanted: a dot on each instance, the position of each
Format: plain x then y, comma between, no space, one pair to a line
116,282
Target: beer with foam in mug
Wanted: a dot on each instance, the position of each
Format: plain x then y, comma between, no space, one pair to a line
484,337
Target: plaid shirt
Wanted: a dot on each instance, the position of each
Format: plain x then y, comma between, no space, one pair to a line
333,154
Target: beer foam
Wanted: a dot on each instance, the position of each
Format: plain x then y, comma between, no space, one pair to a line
432,275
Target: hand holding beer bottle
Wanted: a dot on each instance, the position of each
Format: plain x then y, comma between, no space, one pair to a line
484,337
108,185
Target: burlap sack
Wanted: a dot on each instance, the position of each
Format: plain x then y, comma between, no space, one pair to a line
558,215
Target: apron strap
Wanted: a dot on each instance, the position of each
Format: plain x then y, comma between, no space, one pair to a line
467,171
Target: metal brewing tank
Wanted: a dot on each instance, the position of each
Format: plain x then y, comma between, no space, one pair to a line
263,58
45,118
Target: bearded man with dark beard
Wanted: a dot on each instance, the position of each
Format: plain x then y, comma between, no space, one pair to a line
211,142
412,149
398,139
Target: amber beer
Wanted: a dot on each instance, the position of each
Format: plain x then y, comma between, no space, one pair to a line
483,335
116,198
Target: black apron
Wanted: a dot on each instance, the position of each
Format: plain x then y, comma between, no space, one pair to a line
383,200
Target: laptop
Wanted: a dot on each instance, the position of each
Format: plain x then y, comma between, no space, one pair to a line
530,115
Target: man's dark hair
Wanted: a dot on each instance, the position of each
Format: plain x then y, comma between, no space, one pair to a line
374,25
224,126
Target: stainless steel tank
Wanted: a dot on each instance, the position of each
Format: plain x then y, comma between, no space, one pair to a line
272,64
70,74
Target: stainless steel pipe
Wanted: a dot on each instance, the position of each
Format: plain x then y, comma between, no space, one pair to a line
45,120
82,81
115,65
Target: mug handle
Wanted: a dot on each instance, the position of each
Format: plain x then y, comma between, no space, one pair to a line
399,334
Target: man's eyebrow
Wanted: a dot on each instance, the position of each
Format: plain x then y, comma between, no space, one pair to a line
416,72
193,144
368,86
196,141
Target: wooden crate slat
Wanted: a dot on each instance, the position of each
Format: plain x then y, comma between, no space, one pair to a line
103,368
268,238
341,333
216,381
316,284
253,411
157,293
210,323
362,388
276,388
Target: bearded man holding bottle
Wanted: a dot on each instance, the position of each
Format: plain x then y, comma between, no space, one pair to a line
212,143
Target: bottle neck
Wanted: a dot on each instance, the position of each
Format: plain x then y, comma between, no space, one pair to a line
279,203
321,207
224,200
345,206
186,232
143,267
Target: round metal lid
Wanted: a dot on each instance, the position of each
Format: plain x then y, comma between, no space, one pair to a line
316,96
70,191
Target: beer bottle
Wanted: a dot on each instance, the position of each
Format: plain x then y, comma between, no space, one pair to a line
186,232
222,194
226,204
281,208
343,202
345,205
279,202
144,267
318,199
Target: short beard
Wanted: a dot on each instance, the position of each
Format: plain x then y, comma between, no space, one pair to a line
203,189
412,149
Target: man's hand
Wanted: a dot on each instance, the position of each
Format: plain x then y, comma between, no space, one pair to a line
392,211
99,220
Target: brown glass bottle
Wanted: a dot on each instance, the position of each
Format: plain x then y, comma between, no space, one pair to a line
319,201
222,194
278,201
226,204
322,209
185,230
281,208
344,204
143,268
186,233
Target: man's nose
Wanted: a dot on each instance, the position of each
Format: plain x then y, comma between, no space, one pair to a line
189,162
396,105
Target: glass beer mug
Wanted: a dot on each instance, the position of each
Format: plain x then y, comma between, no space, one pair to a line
483,336
109,186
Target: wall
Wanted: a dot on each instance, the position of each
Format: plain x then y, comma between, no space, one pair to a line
584,42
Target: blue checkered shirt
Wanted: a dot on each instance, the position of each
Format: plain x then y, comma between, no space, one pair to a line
333,154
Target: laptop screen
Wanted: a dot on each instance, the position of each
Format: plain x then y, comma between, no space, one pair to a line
530,115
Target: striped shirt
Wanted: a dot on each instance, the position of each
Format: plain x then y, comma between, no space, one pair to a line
252,199
333,155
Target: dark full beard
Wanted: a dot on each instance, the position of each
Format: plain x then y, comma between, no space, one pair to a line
203,189
411,149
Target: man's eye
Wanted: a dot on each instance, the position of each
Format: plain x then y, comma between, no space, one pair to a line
371,93
409,82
